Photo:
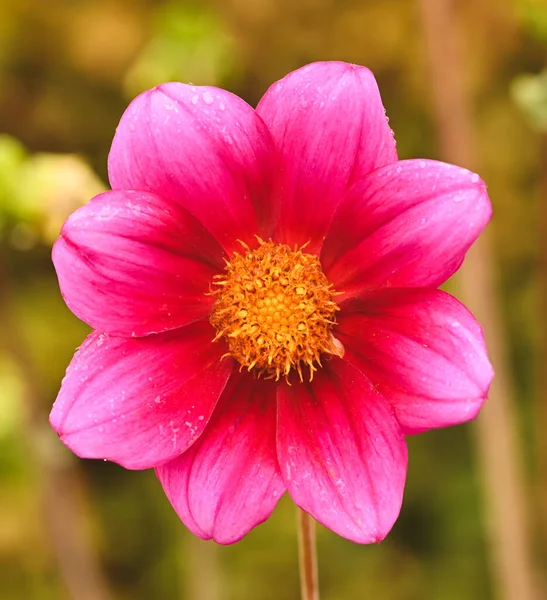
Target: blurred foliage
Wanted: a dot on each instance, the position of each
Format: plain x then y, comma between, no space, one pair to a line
11,395
530,95
188,43
38,192
67,69
533,14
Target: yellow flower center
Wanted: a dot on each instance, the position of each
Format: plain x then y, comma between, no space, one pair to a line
275,309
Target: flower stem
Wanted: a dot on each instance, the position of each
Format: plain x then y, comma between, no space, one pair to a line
307,557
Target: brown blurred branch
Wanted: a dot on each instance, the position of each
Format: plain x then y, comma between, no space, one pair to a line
62,495
541,398
499,447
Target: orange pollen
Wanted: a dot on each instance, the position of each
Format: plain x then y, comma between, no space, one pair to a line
274,307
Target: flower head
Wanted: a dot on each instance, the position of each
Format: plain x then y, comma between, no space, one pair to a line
263,288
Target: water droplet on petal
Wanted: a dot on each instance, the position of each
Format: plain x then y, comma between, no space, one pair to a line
208,98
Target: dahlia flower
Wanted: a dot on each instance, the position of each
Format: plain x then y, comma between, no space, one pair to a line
263,289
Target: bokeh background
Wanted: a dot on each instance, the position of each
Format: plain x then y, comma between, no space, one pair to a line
461,81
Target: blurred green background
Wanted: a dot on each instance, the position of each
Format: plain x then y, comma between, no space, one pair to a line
90,530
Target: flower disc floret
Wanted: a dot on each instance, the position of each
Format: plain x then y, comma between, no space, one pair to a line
275,309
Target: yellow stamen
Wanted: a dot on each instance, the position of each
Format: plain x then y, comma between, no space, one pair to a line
274,308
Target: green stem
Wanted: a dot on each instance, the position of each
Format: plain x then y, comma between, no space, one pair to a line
307,557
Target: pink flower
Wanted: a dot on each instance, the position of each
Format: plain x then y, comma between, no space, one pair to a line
293,237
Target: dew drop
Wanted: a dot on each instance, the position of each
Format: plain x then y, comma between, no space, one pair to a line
208,98
195,99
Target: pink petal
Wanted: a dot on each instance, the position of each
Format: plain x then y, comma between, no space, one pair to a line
408,224
140,402
330,127
229,481
341,452
203,148
423,350
131,264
